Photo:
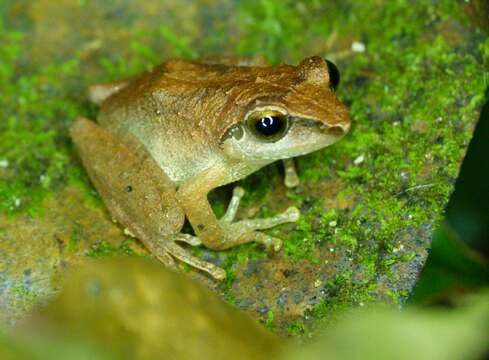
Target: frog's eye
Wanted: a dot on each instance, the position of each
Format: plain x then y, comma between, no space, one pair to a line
268,125
334,75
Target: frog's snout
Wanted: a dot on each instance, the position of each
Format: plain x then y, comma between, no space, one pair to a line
336,131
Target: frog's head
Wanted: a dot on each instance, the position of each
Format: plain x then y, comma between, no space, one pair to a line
286,112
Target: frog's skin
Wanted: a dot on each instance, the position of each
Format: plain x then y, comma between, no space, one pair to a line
164,140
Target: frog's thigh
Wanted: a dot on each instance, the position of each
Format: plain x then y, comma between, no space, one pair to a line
137,193
135,190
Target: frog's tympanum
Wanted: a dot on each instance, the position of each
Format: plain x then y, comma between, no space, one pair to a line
164,140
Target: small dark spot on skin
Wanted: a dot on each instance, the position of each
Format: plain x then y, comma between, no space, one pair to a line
201,227
129,188
27,272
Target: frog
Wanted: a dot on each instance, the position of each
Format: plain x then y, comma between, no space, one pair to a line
163,140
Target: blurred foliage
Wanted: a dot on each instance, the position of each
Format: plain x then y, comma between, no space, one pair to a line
135,309
421,334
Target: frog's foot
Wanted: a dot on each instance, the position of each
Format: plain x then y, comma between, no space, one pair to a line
245,230
291,179
168,250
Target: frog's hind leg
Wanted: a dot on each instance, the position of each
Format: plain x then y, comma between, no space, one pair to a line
137,193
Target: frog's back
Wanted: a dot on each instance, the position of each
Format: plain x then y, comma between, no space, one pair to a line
168,110
191,90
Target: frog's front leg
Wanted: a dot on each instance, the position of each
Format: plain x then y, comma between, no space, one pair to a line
291,179
225,233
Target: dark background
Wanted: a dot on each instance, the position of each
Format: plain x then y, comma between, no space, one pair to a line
458,262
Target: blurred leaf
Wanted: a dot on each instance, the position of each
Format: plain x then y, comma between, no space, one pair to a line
380,333
451,266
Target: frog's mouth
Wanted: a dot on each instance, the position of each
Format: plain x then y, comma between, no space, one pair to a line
309,135
333,130
303,136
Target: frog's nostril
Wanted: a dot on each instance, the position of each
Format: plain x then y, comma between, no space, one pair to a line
336,131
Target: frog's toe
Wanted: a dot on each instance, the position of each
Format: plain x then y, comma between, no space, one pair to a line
188,239
183,255
271,243
290,215
165,257
233,206
244,231
291,178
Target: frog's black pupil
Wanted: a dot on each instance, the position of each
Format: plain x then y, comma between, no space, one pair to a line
334,75
269,125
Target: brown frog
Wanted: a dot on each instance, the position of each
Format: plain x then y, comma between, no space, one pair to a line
164,140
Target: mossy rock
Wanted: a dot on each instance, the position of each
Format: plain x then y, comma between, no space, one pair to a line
413,77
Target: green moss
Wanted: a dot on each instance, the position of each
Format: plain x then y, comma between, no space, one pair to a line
104,249
342,293
74,237
24,295
296,329
36,112
302,241
269,322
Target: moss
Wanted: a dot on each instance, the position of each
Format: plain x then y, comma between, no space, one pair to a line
296,329
27,297
74,237
269,322
32,145
341,294
104,249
